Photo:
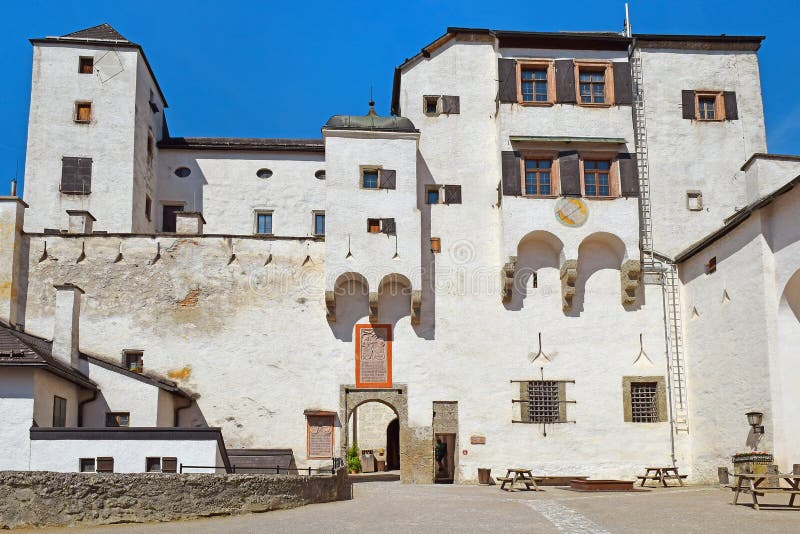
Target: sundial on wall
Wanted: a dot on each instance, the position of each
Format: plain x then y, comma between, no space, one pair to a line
571,211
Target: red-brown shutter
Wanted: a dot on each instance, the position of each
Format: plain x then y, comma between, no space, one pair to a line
623,90
388,179
512,185
687,99
731,109
169,465
628,175
452,194
507,76
388,226
105,464
451,104
569,173
565,82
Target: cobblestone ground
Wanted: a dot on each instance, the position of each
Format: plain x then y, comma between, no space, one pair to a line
392,507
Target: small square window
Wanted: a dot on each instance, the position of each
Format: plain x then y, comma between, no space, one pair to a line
644,407
436,245
431,104
319,223
59,411
694,201
118,419
86,65
264,223
432,195
153,465
133,360
711,266
83,112
87,465
374,226
706,108
369,179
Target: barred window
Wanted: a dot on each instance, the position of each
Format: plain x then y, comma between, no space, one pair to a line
543,401
644,408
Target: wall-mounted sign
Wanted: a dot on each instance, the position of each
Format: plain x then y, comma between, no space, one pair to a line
571,211
319,436
477,440
373,355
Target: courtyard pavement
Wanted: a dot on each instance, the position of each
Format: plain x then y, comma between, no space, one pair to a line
392,507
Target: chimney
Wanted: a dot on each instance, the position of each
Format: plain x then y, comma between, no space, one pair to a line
66,323
80,222
189,223
12,219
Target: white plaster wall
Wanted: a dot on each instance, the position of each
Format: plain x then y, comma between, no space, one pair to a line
764,176
350,206
11,218
373,418
119,393
45,386
166,409
16,417
688,155
108,139
224,186
129,455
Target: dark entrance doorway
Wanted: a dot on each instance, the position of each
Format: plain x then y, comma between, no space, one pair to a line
393,445
444,445
168,217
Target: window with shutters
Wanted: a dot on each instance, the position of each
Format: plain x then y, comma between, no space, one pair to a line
263,223
374,226
538,178
432,195
709,106
381,226
59,411
369,178
378,178
76,175
319,223
152,465
169,464
599,177
432,104
644,399
536,82
105,464
83,112
542,401
452,194
118,419
87,465
85,65
594,81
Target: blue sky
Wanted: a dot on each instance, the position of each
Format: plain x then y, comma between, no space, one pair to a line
280,69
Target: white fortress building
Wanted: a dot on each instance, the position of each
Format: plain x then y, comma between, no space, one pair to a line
564,251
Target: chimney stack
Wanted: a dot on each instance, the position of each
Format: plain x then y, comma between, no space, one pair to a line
80,222
66,323
189,223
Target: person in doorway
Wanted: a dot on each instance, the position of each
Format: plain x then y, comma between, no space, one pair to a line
440,453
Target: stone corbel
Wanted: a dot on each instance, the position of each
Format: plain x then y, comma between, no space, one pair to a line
509,270
373,306
630,275
568,273
330,306
416,304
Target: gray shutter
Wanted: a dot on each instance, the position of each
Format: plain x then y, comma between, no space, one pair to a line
507,76
628,175
169,465
687,99
731,109
388,179
569,171
452,194
524,407
451,105
623,90
105,464
388,226
565,82
512,184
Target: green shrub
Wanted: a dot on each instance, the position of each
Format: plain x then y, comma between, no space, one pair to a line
353,461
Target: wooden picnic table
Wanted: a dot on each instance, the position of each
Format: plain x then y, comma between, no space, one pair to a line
661,474
752,483
519,475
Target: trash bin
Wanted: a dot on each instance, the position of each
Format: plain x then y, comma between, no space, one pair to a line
484,476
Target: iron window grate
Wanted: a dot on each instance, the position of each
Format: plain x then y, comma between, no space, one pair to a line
543,401
643,402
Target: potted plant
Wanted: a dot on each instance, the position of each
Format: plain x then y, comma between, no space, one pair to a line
353,461
754,462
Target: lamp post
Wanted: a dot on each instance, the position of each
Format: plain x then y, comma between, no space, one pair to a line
754,419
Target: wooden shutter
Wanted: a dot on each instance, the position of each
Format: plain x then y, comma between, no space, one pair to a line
507,76
565,82
388,179
511,173
105,464
169,465
570,173
731,109
452,194
623,90
388,226
525,414
628,175
451,105
76,175
687,99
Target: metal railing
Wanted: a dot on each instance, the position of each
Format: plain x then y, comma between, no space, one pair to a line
272,470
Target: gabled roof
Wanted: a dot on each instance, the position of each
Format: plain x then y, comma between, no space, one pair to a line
160,383
102,32
18,349
735,220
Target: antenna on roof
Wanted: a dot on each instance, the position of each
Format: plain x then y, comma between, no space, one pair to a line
371,102
627,26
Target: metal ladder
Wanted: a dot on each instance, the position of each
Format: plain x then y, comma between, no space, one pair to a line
666,271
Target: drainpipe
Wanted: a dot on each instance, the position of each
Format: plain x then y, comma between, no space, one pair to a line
80,406
177,414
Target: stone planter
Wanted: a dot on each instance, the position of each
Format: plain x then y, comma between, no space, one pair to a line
755,464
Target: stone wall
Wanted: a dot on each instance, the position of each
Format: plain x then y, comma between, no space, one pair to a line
39,498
